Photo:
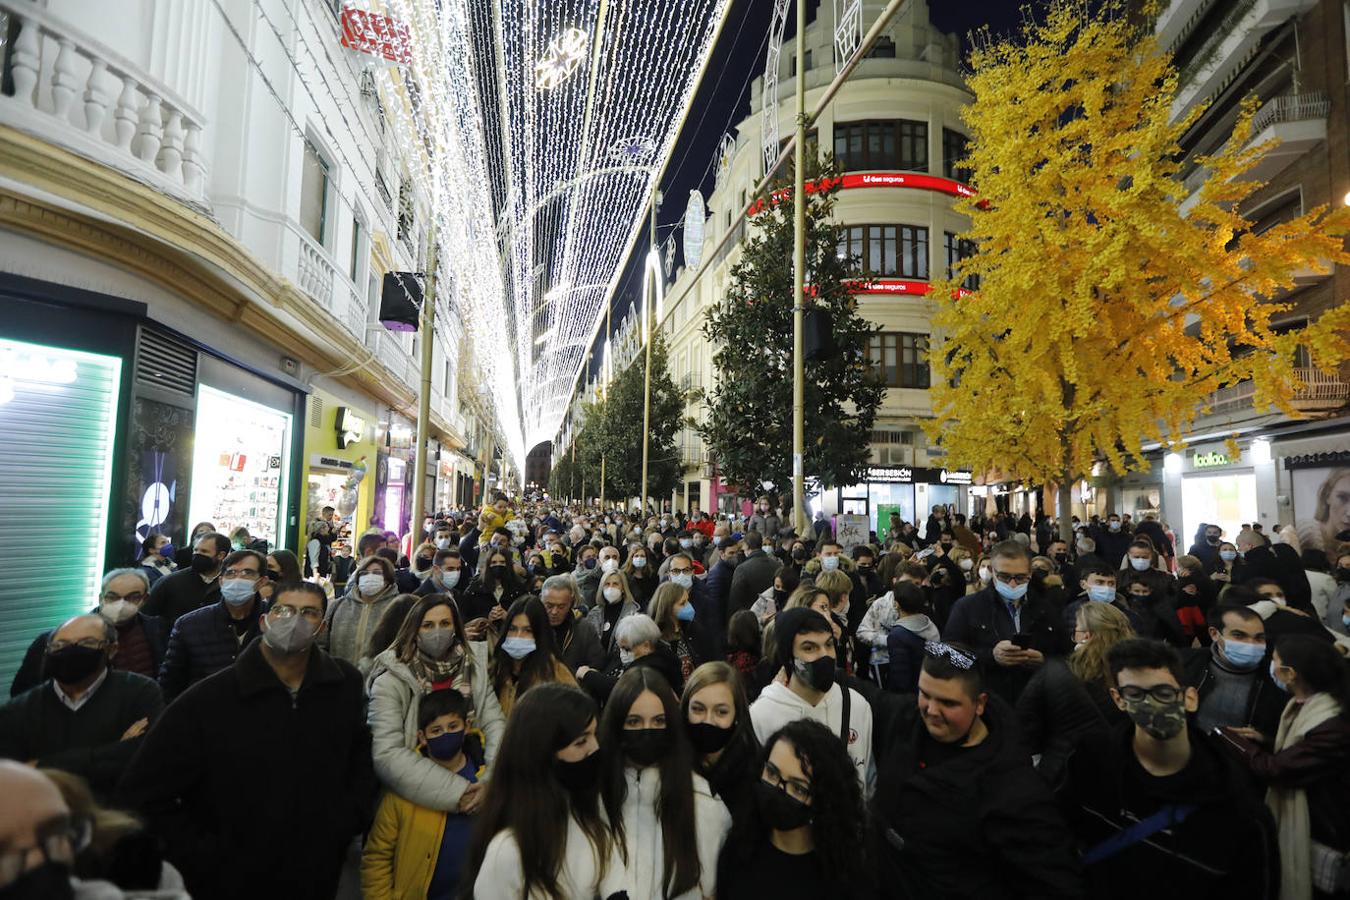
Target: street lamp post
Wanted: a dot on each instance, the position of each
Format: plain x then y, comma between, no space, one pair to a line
798,284
428,338
649,317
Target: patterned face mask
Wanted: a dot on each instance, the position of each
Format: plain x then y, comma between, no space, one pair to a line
1161,720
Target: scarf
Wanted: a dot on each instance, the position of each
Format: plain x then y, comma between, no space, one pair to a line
431,672
1290,805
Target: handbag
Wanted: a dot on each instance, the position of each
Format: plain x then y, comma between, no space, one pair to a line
1330,868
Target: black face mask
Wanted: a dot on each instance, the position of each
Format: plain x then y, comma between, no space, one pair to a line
645,746
798,553
424,562
74,663
498,572
49,881
201,563
779,598
1342,574
818,673
779,811
577,776
1212,540
1061,557
707,737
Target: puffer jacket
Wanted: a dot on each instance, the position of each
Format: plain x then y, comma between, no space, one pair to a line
202,643
643,835
350,622
394,697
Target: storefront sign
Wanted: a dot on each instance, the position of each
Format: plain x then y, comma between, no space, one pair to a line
901,475
376,35
916,475
947,476
350,427
329,462
1209,460
911,180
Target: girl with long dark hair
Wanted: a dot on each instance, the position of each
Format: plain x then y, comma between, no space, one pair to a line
667,825
540,832
525,654
804,837
495,584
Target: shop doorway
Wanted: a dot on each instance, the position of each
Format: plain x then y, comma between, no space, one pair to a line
1227,500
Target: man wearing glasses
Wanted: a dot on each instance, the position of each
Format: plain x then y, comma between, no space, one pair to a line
1155,805
258,779
140,638
85,718
209,639
1010,628
38,839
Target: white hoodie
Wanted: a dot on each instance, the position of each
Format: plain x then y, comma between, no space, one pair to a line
502,876
778,705
643,835
881,617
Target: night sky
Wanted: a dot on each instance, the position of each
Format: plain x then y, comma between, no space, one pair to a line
723,99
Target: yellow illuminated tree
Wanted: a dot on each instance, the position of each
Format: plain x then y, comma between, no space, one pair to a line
1104,315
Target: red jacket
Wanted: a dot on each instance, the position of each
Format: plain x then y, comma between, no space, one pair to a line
706,526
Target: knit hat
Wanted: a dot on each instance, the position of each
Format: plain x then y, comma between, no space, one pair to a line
791,622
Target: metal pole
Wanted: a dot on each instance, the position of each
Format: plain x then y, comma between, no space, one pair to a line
428,338
647,378
798,284
604,401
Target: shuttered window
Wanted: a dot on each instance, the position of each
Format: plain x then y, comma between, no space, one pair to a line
58,422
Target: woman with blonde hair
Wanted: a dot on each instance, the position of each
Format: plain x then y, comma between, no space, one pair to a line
614,602
1068,700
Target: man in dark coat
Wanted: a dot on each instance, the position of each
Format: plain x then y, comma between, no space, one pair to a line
1155,808
960,810
191,588
86,718
753,575
997,621
577,641
711,595
257,779
207,640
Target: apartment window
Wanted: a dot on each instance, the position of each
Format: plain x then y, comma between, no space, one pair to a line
956,251
884,48
900,359
886,144
448,380
407,217
314,194
953,154
358,243
895,251
1277,212
792,63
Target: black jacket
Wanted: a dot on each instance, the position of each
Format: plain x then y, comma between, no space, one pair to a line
179,593
202,643
256,793
1265,702
981,620
1226,849
980,824
477,601
30,672
750,579
1057,711
579,645
85,742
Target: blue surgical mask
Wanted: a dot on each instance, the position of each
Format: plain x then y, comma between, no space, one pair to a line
518,647
686,613
1345,620
1279,683
1102,593
1010,591
1242,655
1138,564
684,580
237,591
829,563
1227,555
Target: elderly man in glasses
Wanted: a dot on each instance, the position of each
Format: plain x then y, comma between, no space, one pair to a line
1155,806
961,810
1010,626
141,638
258,778
86,718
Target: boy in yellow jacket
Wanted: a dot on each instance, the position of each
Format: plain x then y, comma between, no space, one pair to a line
415,853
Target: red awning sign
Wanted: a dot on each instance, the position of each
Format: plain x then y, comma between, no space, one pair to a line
855,180
376,34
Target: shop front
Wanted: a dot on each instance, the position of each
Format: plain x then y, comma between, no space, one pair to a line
339,453
909,491
1205,485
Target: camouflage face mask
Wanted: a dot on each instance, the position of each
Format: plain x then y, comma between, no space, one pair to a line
1161,720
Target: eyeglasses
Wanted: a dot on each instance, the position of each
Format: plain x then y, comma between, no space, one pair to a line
240,573
86,643
1163,693
133,597
794,789
286,611
58,841
959,658
1012,578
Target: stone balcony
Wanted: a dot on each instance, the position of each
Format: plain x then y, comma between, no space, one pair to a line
72,91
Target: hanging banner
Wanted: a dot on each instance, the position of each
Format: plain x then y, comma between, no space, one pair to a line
375,34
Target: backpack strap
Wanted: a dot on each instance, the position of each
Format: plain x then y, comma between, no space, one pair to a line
1171,814
844,714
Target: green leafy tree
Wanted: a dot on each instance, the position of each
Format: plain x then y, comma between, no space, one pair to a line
748,428
563,478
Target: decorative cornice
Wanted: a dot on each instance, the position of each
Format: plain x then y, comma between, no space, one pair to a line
136,228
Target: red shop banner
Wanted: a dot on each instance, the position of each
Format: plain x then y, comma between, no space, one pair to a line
855,180
376,34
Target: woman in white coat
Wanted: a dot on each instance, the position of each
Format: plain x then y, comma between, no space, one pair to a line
429,653
666,823
541,833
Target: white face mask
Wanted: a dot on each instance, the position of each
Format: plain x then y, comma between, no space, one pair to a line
613,594
119,612
449,579
626,657
967,564
609,565
370,584
984,574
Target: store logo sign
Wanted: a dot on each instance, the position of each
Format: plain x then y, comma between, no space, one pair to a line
350,427
949,477
1208,460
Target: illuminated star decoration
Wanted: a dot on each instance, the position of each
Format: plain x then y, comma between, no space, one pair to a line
633,149
565,52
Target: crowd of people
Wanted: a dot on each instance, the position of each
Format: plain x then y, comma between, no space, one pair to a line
530,700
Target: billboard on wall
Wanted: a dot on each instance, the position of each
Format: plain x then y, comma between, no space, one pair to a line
1321,499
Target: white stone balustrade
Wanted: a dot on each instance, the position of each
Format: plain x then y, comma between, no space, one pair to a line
66,84
317,272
